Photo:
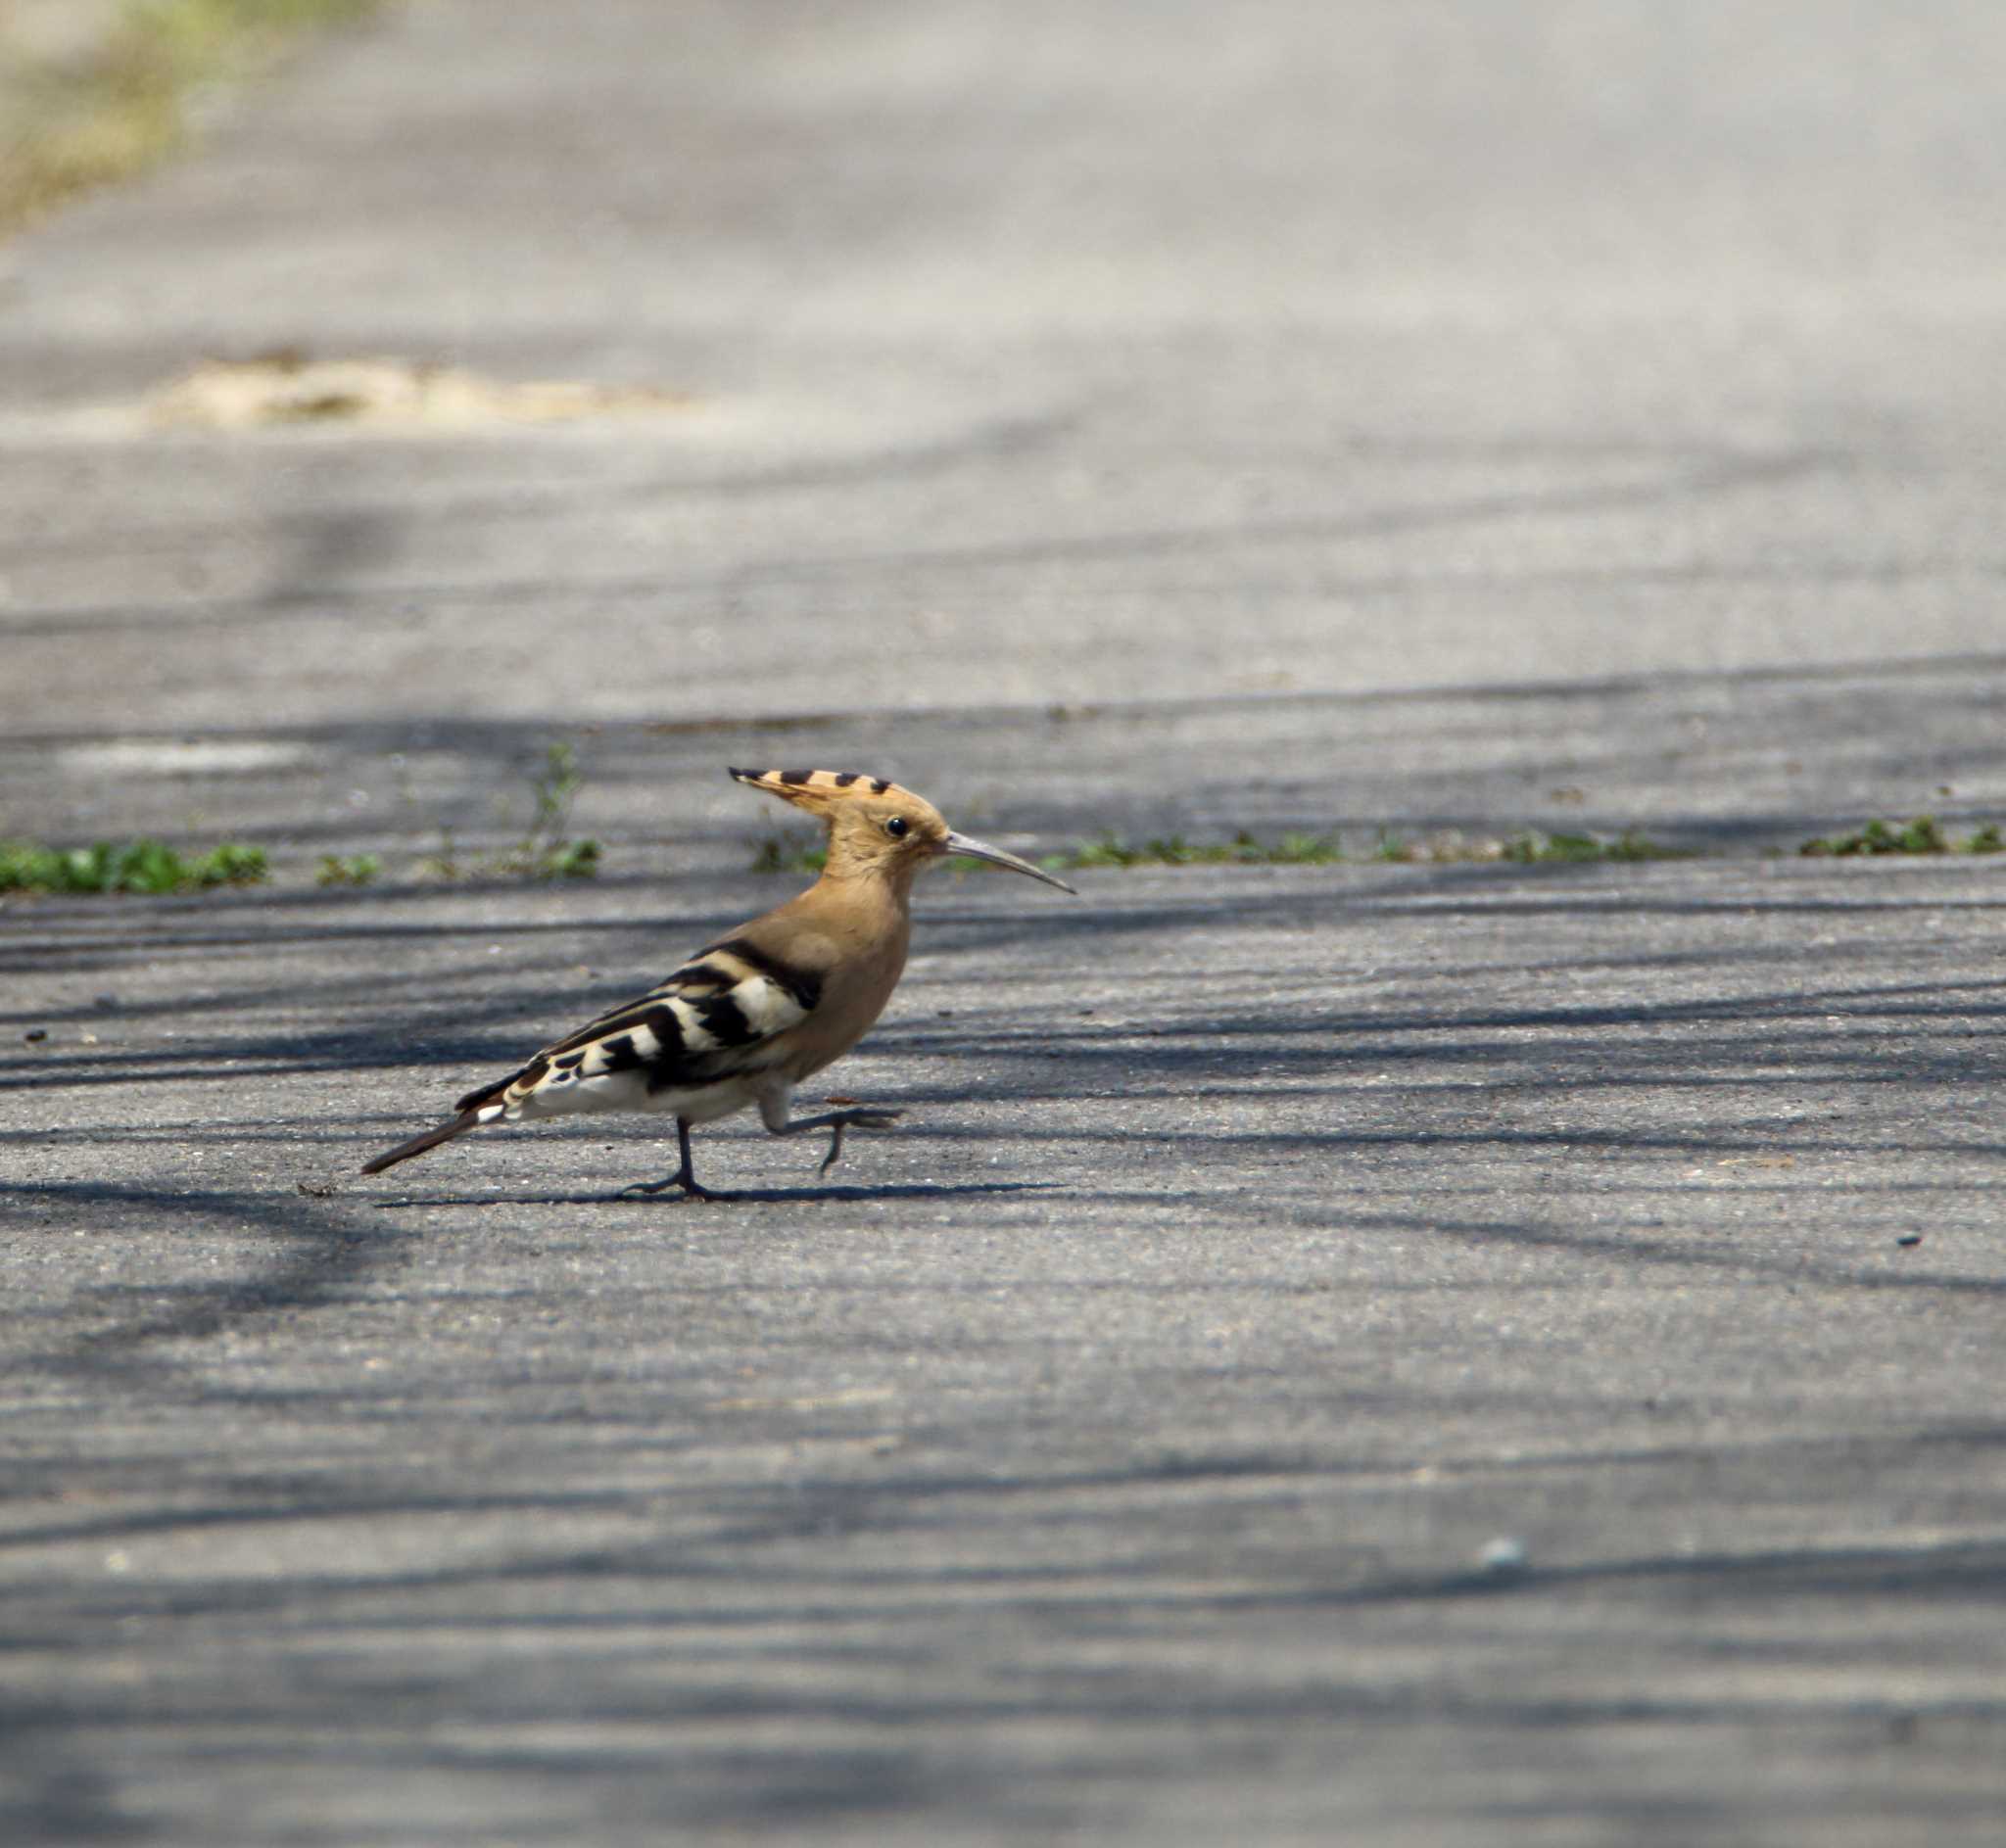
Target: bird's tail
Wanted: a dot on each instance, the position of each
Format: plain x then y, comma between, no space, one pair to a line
432,1138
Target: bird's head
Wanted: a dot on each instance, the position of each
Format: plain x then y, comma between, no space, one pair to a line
876,827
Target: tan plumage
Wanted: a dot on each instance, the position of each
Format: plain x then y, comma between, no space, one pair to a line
749,1017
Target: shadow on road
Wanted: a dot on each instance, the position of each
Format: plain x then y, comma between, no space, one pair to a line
747,1196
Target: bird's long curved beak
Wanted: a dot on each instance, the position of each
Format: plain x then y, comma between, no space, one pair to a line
981,850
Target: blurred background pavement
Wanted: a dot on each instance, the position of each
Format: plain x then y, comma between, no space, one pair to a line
1048,353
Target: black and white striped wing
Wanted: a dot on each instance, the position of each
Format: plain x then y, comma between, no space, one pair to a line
721,1016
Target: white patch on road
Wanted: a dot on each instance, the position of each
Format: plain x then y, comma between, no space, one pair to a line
181,757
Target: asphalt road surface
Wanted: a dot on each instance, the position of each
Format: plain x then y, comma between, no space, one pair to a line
1433,1350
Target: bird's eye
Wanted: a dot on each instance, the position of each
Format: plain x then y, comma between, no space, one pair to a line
897,828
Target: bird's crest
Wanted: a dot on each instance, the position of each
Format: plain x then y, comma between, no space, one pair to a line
876,828
820,789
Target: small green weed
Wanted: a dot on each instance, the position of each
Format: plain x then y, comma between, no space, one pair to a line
1176,851
1303,850
138,866
1438,850
358,869
1923,834
782,853
1245,849
446,863
1535,849
1111,851
545,850
570,860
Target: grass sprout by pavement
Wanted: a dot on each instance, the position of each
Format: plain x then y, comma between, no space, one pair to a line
1924,834
1176,851
116,93
1299,849
784,853
147,867
1534,849
545,850
356,869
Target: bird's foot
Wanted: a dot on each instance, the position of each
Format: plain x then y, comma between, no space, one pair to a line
855,1119
692,1188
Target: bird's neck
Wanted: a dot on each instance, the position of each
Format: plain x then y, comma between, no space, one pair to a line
874,893
854,878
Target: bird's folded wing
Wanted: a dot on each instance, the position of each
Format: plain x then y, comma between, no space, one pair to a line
717,1015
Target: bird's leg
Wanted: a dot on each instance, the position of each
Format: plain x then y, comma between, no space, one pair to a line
684,1177
773,1113
837,1121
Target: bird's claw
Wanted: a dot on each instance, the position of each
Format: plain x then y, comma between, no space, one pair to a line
693,1189
855,1119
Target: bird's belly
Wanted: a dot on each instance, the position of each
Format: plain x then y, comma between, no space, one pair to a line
705,1103
630,1091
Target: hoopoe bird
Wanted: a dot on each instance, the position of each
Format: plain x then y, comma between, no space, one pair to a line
755,1014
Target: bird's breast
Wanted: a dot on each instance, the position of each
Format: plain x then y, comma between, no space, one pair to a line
854,991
